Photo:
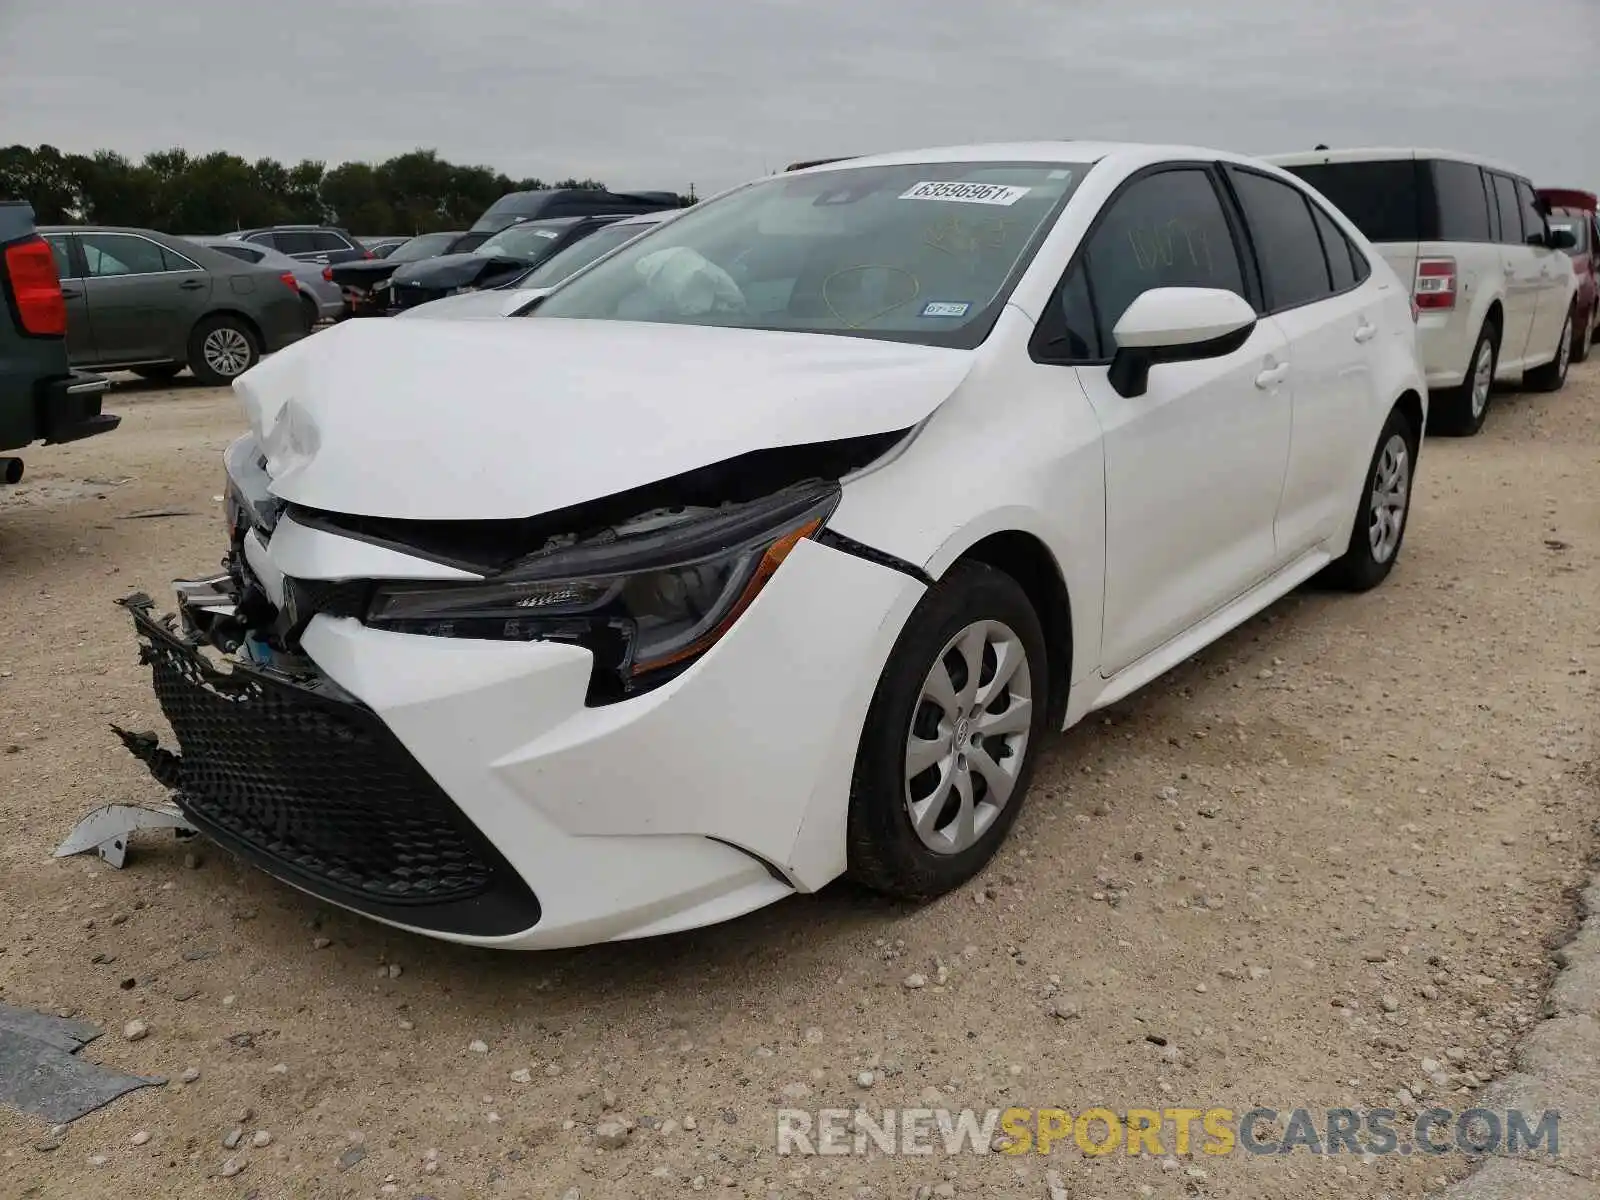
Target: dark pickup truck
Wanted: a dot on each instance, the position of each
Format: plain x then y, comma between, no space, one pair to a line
41,398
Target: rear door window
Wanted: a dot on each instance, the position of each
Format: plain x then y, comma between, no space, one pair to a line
297,241
1382,199
61,251
326,239
1341,255
1463,204
1505,195
1288,248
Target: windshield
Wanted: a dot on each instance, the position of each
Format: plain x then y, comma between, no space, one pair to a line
528,240
423,246
1578,227
920,253
509,207
580,254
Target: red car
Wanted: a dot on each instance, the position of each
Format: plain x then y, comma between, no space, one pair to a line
1575,210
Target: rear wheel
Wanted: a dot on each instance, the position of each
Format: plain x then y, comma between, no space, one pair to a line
308,307
170,371
950,739
1460,411
1552,377
221,349
1380,524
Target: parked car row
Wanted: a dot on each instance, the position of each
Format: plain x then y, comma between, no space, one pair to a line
155,303
517,233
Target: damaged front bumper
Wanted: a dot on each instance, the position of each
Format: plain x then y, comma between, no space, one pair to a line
311,786
468,789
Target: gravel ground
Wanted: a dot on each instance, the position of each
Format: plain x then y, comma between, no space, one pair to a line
1337,844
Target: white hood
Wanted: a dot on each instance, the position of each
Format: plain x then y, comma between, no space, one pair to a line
474,306
475,420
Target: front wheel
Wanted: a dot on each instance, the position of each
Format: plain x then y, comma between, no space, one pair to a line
1552,377
221,349
950,739
1380,524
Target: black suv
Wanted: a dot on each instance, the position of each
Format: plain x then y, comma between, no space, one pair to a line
569,202
41,398
308,243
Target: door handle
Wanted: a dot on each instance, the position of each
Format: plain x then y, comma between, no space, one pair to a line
1366,331
191,285
1272,376
1510,271
70,293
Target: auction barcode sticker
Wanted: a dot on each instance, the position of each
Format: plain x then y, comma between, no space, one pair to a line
966,193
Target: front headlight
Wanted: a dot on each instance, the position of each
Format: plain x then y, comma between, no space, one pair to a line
641,603
247,504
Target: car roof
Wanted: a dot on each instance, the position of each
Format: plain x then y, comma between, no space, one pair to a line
1569,198
1125,155
548,222
149,233
1308,158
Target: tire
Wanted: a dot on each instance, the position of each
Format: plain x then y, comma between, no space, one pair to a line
972,606
1461,411
1552,377
170,371
308,306
1582,339
221,349
1372,554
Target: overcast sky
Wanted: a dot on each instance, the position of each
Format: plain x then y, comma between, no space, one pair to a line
662,93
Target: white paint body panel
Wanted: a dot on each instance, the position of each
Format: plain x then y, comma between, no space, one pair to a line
1172,517
456,420
608,812
473,306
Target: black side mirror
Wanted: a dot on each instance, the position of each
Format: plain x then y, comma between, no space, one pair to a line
1130,366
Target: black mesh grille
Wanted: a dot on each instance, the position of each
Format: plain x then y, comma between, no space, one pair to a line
321,792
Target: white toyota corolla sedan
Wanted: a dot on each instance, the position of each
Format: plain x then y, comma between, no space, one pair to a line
775,545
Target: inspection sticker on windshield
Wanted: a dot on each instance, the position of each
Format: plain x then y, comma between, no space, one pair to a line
945,308
966,193
544,233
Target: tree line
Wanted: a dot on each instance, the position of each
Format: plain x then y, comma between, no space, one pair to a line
173,191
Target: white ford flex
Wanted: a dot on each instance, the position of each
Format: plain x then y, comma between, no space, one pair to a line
1492,289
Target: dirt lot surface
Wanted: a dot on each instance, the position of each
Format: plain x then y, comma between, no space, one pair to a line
1330,848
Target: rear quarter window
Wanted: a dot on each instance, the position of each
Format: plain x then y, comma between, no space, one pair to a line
1462,201
1382,199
